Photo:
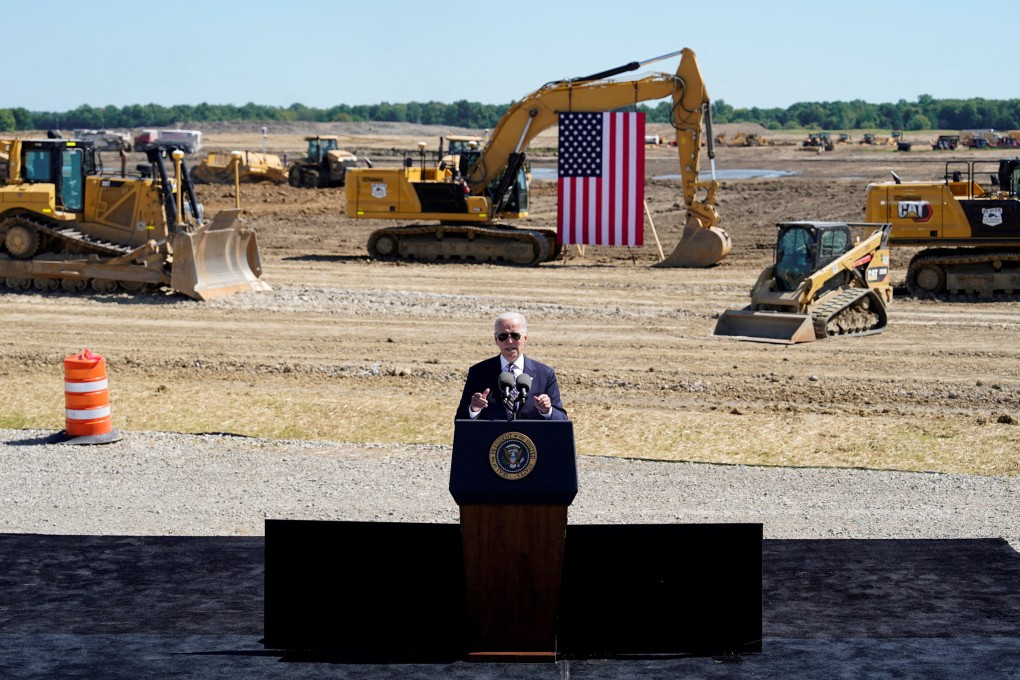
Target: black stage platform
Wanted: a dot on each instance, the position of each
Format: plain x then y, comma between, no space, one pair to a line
155,607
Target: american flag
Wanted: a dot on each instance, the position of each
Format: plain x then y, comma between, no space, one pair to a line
601,178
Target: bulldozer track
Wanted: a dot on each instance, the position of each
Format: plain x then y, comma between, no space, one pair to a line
69,236
926,274
16,272
431,243
851,312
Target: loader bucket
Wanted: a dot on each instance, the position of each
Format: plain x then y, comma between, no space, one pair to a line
776,327
216,260
699,246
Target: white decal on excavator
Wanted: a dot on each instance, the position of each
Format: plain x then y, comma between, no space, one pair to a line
378,190
919,211
991,217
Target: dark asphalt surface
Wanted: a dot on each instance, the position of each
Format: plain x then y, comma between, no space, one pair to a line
163,607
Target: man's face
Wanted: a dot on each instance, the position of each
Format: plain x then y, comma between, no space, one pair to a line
510,348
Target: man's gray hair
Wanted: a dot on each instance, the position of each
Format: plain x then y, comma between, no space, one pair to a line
511,316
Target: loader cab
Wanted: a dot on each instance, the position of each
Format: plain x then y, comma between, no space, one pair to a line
62,163
802,248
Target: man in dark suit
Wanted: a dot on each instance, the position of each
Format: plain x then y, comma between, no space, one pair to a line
482,397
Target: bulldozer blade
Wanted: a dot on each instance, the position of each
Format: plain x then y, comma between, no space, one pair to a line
699,246
776,327
217,259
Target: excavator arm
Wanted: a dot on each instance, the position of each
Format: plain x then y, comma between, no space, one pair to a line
702,243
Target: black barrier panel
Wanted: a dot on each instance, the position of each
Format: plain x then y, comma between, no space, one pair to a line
661,589
365,590
551,481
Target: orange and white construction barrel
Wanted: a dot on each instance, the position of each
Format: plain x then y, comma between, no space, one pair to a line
88,418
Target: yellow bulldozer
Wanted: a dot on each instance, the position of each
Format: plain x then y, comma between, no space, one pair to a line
219,168
66,224
829,279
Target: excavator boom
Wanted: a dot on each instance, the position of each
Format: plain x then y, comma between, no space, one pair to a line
477,196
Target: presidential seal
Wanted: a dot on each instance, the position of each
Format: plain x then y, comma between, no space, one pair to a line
513,456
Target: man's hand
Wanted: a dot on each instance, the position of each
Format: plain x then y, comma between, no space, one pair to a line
480,400
543,403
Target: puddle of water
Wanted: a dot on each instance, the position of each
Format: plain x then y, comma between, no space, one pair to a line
550,174
750,173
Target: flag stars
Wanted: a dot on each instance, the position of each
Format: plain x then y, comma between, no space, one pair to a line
580,145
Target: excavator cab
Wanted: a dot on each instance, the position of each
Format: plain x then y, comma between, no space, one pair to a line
1009,176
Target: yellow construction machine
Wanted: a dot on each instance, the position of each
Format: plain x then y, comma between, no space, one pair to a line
65,224
325,164
219,168
471,200
829,279
968,229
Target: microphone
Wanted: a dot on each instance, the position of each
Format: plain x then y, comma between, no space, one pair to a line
506,383
523,387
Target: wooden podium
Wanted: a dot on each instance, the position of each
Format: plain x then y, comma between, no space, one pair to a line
513,482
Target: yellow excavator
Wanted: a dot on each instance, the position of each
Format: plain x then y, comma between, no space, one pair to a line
829,279
967,230
471,202
65,224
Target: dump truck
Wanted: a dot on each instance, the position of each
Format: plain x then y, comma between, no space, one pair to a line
67,225
325,164
462,213
967,225
218,168
828,279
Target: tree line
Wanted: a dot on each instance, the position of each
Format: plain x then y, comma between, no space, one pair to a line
926,113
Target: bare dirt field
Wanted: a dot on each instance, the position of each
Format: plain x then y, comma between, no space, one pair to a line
349,349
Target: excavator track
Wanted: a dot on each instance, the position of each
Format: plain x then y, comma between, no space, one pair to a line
436,243
72,260
959,274
851,312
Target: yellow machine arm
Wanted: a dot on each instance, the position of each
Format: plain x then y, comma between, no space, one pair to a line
874,245
702,243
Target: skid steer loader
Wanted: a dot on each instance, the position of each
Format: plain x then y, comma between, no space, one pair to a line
829,279
64,224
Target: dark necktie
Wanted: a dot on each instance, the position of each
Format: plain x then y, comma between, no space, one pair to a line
512,370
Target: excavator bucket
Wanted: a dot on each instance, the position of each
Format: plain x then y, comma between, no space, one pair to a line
217,259
776,327
699,246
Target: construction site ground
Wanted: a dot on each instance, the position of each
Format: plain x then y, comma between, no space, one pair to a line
350,349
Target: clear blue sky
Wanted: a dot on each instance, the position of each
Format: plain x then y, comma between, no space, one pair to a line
773,53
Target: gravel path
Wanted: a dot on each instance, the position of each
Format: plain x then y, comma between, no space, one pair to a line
159,483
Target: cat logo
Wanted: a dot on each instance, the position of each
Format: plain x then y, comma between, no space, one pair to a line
876,274
918,211
991,217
